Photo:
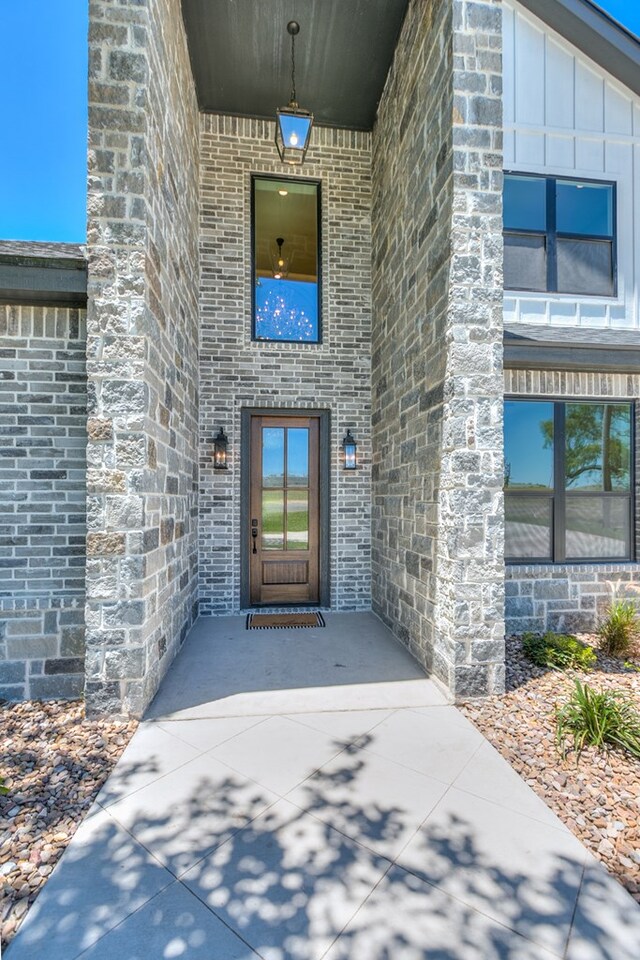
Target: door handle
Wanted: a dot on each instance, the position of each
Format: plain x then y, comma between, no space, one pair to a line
254,534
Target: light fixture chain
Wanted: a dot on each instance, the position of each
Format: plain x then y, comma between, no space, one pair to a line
293,68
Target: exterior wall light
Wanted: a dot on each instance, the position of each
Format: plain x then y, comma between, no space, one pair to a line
220,450
349,447
293,124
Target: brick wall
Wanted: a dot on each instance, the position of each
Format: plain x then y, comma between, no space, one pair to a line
569,596
42,501
438,571
236,372
142,345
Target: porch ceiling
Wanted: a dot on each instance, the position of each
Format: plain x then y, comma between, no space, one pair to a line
240,56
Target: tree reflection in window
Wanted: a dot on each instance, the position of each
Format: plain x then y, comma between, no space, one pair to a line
597,446
585,510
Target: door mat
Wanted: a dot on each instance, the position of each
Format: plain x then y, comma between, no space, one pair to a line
272,621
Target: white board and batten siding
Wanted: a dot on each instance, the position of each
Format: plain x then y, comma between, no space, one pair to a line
565,116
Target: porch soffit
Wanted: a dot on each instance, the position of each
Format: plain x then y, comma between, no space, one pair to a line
241,60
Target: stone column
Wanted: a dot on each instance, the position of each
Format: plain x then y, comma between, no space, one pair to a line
142,349
469,648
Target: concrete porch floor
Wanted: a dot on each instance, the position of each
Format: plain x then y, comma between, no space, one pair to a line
308,794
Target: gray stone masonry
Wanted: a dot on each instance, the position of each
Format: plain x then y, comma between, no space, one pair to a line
42,501
142,349
235,372
570,596
438,570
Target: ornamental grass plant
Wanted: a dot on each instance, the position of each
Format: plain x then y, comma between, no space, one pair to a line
619,629
599,718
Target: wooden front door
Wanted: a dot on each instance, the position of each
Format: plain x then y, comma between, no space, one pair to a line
284,548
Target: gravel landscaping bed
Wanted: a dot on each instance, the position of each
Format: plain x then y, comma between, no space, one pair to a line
599,797
54,762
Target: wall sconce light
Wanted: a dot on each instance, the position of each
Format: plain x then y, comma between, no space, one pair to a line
349,447
220,450
293,124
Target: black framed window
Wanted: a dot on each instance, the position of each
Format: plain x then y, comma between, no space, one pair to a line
559,235
285,239
568,480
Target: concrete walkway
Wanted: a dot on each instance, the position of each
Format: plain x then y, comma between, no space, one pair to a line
297,795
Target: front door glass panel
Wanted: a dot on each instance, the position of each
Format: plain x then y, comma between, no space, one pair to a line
297,519
273,457
285,488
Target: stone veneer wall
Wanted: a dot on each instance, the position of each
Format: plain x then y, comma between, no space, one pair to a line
42,501
236,372
569,596
438,569
142,349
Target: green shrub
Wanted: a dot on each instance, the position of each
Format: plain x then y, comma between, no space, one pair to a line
3,790
558,650
604,718
619,629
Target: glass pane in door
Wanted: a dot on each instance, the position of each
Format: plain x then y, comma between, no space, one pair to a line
297,519
273,520
273,456
297,457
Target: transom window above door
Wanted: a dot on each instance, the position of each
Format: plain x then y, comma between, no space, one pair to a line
285,229
559,235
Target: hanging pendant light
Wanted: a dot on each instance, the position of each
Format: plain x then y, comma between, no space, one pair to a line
293,124
279,262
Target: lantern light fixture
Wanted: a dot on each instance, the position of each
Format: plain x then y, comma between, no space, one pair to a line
220,450
349,447
293,124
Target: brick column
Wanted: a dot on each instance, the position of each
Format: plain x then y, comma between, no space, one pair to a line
438,573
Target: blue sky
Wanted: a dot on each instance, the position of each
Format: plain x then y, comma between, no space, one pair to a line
626,11
43,115
43,119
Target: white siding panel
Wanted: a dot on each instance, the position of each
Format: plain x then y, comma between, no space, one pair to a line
510,308
589,98
509,149
563,313
622,318
529,73
566,116
508,65
559,89
529,149
590,155
560,152
617,111
593,315
533,311
619,166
